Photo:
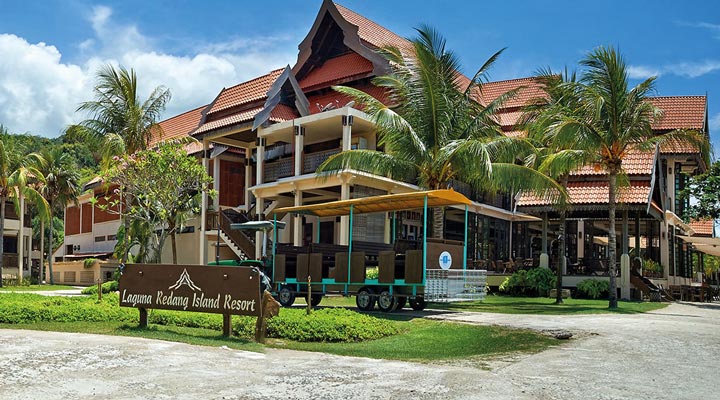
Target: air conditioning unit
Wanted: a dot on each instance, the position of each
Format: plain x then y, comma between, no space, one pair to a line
358,143
76,247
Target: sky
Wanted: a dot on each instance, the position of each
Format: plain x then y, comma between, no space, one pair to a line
50,50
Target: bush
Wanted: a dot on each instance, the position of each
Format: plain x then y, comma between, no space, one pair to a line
325,325
89,262
529,283
107,287
593,289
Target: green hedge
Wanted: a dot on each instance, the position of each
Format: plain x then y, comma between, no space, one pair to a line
107,287
593,289
324,325
534,282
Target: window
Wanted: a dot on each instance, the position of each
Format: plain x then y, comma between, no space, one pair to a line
99,238
188,229
111,237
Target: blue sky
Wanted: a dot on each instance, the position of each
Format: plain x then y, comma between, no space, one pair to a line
50,50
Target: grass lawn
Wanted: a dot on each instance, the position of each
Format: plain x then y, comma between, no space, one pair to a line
425,340
35,288
544,305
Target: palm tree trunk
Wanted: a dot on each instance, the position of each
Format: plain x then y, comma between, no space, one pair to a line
438,222
50,246
2,236
42,251
21,239
612,240
561,257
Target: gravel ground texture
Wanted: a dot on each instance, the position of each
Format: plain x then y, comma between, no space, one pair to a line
665,354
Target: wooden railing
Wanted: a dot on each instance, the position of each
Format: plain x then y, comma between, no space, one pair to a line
275,170
311,161
241,240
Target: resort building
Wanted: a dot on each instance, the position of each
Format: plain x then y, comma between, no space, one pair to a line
20,254
262,141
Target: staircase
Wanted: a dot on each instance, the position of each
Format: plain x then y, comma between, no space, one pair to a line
242,244
647,287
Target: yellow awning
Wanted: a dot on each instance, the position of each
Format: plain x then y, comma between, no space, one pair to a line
385,203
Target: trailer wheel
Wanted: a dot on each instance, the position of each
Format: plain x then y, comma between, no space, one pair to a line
315,299
286,296
365,299
386,302
401,301
418,303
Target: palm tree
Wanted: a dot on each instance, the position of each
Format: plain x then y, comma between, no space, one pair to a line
551,157
612,119
16,171
59,188
436,131
119,121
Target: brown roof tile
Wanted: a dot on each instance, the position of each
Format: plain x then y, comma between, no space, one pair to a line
593,193
634,163
344,66
317,102
680,112
530,88
372,33
178,126
280,113
704,227
246,92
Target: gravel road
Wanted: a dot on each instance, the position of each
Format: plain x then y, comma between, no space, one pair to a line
667,354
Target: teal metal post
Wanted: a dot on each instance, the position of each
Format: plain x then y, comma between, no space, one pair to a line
350,235
317,238
274,241
425,208
465,239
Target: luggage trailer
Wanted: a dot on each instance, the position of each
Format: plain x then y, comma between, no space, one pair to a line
435,272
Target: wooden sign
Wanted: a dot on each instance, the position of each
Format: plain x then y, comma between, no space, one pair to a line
213,289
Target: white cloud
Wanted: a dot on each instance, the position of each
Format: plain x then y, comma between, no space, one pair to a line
39,93
684,69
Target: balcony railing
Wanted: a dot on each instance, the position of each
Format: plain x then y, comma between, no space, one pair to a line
312,161
275,170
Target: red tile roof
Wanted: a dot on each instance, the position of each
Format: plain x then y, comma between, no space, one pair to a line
704,227
530,88
634,163
508,119
372,33
280,113
178,126
594,193
246,92
680,112
345,66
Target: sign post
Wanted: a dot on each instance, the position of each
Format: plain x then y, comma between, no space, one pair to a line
225,290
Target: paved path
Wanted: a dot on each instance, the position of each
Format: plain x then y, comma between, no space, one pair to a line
64,292
667,354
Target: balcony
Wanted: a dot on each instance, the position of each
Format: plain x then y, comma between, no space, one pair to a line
311,161
275,170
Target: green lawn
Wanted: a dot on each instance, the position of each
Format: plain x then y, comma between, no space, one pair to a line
544,305
35,288
425,340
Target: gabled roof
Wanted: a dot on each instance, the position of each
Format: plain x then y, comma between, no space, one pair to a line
635,162
370,32
704,227
179,126
247,92
337,68
680,112
593,193
530,88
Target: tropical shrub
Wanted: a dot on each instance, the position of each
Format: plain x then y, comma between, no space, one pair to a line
107,287
541,280
89,262
537,281
593,289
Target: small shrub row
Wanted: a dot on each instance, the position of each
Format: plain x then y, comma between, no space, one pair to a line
324,325
592,289
535,282
107,287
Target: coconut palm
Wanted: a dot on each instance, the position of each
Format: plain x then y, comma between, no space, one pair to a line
550,157
612,119
119,121
60,187
435,129
16,172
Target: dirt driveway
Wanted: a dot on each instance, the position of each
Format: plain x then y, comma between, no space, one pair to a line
667,354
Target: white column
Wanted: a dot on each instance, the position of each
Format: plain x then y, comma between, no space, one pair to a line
297,223
544,257
581,239
344,220
259,208
216,183
347,121
20,238
665,248
202,259
248,179
260,161
299,144
625,259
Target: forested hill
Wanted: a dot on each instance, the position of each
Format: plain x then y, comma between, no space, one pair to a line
23,143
